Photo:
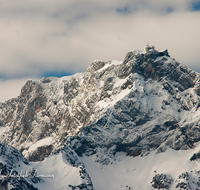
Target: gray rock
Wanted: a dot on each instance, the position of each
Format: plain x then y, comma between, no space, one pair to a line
161,181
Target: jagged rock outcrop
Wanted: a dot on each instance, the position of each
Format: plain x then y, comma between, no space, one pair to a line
11,156
148,101
195,156
11,160
188,180
161,181
17,173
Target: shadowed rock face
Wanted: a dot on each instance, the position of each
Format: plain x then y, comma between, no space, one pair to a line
11,155
40,153
10,159
131,106
161,181
152,65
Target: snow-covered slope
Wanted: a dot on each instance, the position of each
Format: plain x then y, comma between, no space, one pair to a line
139,172
62,170
145,105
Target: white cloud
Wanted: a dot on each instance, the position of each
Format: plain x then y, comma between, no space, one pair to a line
11,88
67,35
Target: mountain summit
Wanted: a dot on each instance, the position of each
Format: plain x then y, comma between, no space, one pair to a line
148,102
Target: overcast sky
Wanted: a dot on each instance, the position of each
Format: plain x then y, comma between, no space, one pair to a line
62,37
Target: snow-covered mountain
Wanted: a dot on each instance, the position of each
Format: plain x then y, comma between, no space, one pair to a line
110,123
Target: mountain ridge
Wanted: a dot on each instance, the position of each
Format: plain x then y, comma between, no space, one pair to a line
54,110
115,117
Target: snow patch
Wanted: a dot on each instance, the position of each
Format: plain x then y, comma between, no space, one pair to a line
113,62
46,141
138,172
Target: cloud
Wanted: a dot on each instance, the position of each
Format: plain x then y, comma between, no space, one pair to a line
195,5
11,88
65,36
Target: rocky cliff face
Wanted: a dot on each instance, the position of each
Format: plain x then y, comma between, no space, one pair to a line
148,101
152,102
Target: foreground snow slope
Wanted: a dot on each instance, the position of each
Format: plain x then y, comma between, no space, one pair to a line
65,171
64,174
138,172
60,171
